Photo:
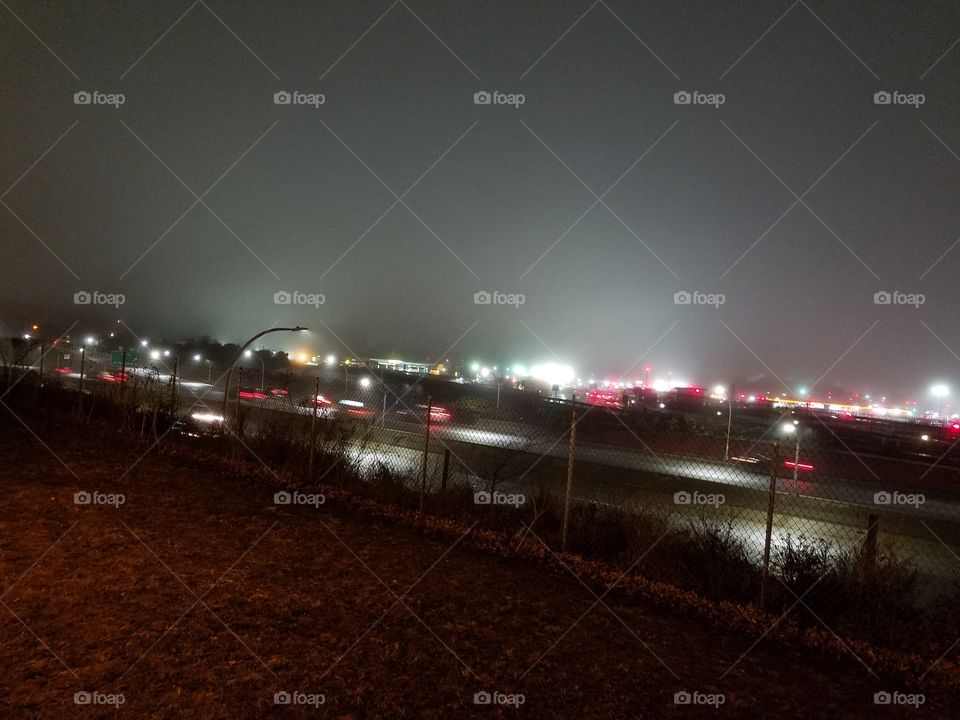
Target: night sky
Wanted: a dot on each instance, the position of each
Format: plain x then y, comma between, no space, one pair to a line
399,198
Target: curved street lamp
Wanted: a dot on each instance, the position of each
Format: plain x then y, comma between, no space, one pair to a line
248,343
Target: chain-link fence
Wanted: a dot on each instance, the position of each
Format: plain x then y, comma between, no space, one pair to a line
852,521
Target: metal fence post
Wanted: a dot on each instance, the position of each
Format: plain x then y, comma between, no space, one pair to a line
173,387
870,543
569,490
237,414
313,425
446,469
774,466
426,451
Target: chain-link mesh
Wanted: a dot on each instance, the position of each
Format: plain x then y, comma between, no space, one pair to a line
853,521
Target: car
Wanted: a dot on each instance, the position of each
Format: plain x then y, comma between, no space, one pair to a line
759,463
278,392
752,462
251,393
418,413
63,370
354,407
120,376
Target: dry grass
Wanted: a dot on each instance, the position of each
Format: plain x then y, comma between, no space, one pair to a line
198,597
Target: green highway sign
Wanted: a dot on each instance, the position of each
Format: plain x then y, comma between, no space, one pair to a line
116,358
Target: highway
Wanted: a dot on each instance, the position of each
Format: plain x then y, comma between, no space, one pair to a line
834,509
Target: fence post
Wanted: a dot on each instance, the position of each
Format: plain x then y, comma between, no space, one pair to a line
870,543
446,469
313,425
173,387
569,490
237,415
774,466
426,451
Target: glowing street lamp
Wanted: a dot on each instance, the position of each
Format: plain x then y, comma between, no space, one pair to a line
248,343
940,391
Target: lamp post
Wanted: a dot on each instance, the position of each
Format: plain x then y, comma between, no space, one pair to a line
248,343
940,392
791,429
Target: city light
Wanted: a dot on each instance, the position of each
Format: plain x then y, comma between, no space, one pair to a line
144,342
940,391
155,354
331,359
197,358
365,382
553,373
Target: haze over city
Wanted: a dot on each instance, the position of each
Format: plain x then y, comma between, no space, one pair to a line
701,198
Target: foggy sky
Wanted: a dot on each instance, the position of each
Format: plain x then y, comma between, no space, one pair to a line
297,189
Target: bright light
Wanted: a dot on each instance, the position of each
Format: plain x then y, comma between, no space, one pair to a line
90,341
166,353
331,359
520,371
26,336
940,391
484,372
720,390
661,385
788,428
207,417
475,367
197,358
247,353
365,382
924,437
303,357
155,354
144,343
553,373
802,392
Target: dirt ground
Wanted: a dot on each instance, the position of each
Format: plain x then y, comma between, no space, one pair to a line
199,597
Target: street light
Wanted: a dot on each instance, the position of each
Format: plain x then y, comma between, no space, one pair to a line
940,391
248,343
